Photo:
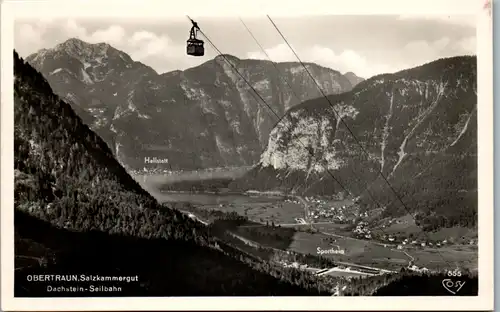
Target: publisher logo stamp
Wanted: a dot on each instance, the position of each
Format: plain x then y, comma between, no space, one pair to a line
452,285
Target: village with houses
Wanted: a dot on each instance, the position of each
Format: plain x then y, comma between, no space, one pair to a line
399,240
322,211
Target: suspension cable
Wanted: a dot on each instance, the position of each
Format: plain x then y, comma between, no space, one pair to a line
338,116
268,106
269,58
298,98
358,179
275,66
345,124
326,163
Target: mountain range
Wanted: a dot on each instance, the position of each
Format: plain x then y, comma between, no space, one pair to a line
202,117
403,143
417,127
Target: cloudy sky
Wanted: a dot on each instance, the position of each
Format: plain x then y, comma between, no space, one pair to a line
364,44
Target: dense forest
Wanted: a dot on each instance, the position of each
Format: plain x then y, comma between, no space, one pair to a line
77,211
272,240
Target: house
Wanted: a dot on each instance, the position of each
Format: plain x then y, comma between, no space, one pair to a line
422,244
417,269
400,247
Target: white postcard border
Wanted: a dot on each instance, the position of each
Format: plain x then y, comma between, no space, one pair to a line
220,8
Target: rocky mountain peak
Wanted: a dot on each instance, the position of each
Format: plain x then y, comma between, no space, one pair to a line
75,50
82,50
353,78
224,58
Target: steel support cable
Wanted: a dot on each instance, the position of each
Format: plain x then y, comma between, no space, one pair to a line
274,65
345,124
298,98
338,116
268,106
358,179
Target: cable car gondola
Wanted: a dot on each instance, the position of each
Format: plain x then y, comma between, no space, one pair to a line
194,45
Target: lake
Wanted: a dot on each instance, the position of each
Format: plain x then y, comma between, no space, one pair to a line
212,199
151,183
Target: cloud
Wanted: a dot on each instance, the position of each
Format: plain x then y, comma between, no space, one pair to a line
345,61
73,29
466,20
279,53
424,51
113,35
420,50
369,63
468,45
31,34
361,54
144,46
28,36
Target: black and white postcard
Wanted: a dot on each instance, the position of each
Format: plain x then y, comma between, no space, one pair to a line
247,155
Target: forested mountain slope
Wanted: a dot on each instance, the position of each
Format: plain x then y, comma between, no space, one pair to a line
418,127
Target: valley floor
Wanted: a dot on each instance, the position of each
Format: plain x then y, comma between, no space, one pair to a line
323,227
